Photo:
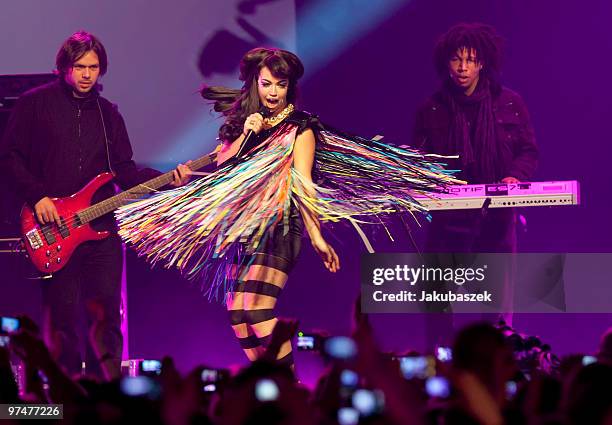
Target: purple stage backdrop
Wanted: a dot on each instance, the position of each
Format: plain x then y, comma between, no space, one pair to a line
368,67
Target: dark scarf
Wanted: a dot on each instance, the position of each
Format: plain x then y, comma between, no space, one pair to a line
477,147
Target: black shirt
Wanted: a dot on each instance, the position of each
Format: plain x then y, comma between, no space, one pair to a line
55,143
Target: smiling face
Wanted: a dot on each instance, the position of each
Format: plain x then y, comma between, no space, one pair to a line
464,68
272,91
84,73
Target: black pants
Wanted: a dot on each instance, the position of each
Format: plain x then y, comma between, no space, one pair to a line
93,274
466,231
462,232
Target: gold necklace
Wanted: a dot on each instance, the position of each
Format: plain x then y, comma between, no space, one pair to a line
272,121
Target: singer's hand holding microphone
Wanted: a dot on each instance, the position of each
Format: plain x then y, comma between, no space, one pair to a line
254,123
252,126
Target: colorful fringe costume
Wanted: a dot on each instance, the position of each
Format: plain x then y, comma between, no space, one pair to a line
221,219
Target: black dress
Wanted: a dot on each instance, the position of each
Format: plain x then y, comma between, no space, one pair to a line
281,247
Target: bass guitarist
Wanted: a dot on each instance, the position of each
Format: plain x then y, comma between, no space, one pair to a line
59,137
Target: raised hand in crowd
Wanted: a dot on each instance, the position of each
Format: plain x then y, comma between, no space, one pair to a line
284,331
403,401
181,396
36,356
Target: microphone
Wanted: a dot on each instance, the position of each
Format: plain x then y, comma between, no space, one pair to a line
264,112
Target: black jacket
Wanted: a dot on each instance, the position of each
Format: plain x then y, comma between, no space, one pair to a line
514,134
54,144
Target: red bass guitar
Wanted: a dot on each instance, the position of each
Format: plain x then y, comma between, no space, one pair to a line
50,246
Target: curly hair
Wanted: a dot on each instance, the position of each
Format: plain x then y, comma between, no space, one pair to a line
236,105
483,38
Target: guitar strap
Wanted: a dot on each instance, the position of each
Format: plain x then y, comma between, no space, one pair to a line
106,143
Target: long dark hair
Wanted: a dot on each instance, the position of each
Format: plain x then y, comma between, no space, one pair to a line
75,47
236,105
480,37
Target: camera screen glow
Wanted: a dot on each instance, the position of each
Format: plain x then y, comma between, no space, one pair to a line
341,347
444,354
10,324
151,366
136,386
417,367
348,416
364,401
209,375
437,386
348,378
266,390
305,342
